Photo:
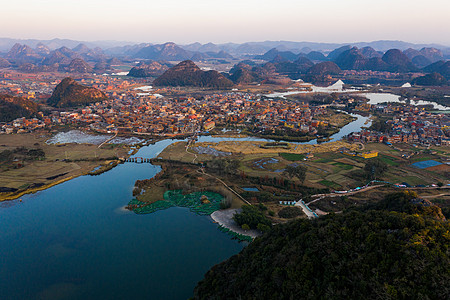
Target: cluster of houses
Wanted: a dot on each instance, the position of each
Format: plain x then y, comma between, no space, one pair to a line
149,113
408,124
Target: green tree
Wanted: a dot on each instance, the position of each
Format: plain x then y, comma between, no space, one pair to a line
225,166
245,227
251,216
263,227
375,168
298,171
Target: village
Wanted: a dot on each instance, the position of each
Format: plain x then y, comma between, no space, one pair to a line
135,108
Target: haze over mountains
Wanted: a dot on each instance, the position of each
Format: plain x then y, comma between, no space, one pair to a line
253,62
251,48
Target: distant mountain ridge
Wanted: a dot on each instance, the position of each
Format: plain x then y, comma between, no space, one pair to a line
251,48
278,61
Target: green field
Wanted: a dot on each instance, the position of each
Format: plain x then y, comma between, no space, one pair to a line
343,166
388,160
292,156
330,184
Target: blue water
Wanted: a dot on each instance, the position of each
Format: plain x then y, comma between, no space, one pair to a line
250,189
74,241
426,164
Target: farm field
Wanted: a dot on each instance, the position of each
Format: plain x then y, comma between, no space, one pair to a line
18,172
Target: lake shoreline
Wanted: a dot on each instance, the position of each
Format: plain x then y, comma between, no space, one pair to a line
16,195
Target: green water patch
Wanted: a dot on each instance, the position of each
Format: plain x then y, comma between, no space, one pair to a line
196,202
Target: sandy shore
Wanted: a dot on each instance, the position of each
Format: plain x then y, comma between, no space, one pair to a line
225,218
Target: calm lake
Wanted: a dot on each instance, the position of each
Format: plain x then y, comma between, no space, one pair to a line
75,240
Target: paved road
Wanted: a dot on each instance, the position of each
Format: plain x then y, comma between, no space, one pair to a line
109,140
321,196
305,209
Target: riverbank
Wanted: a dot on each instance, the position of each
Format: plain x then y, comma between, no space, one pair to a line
69,226
224,218
15,195
29,164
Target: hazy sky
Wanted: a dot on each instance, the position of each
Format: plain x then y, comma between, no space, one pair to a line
185,21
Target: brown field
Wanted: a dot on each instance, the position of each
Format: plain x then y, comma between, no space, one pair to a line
251,147
440,168
187,178
61,161
177,151
336,118
328,168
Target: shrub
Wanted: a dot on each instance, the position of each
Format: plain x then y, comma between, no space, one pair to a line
252,216
245,227
290,212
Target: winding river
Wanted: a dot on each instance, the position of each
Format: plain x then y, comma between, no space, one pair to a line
75,240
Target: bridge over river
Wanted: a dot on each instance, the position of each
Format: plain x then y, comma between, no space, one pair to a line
139,160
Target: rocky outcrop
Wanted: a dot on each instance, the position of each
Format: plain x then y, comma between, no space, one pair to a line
316,56
78,65
152,69
398,61
70,93
324,68
433,79
336,52
167,51
442,67
369,52
15,107
432,54
23,54
4,63
352,59
273,53
186,73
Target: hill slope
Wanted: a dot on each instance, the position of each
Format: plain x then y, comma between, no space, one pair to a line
14,107
148,70
360,254
186,73
70,93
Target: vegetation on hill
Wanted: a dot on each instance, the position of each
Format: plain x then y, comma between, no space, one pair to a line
253,218
290,212
186,73
320,72
433,79
441,67
70,93
298,171
398,61
15,107
375,168
397,249
152,69
352,59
